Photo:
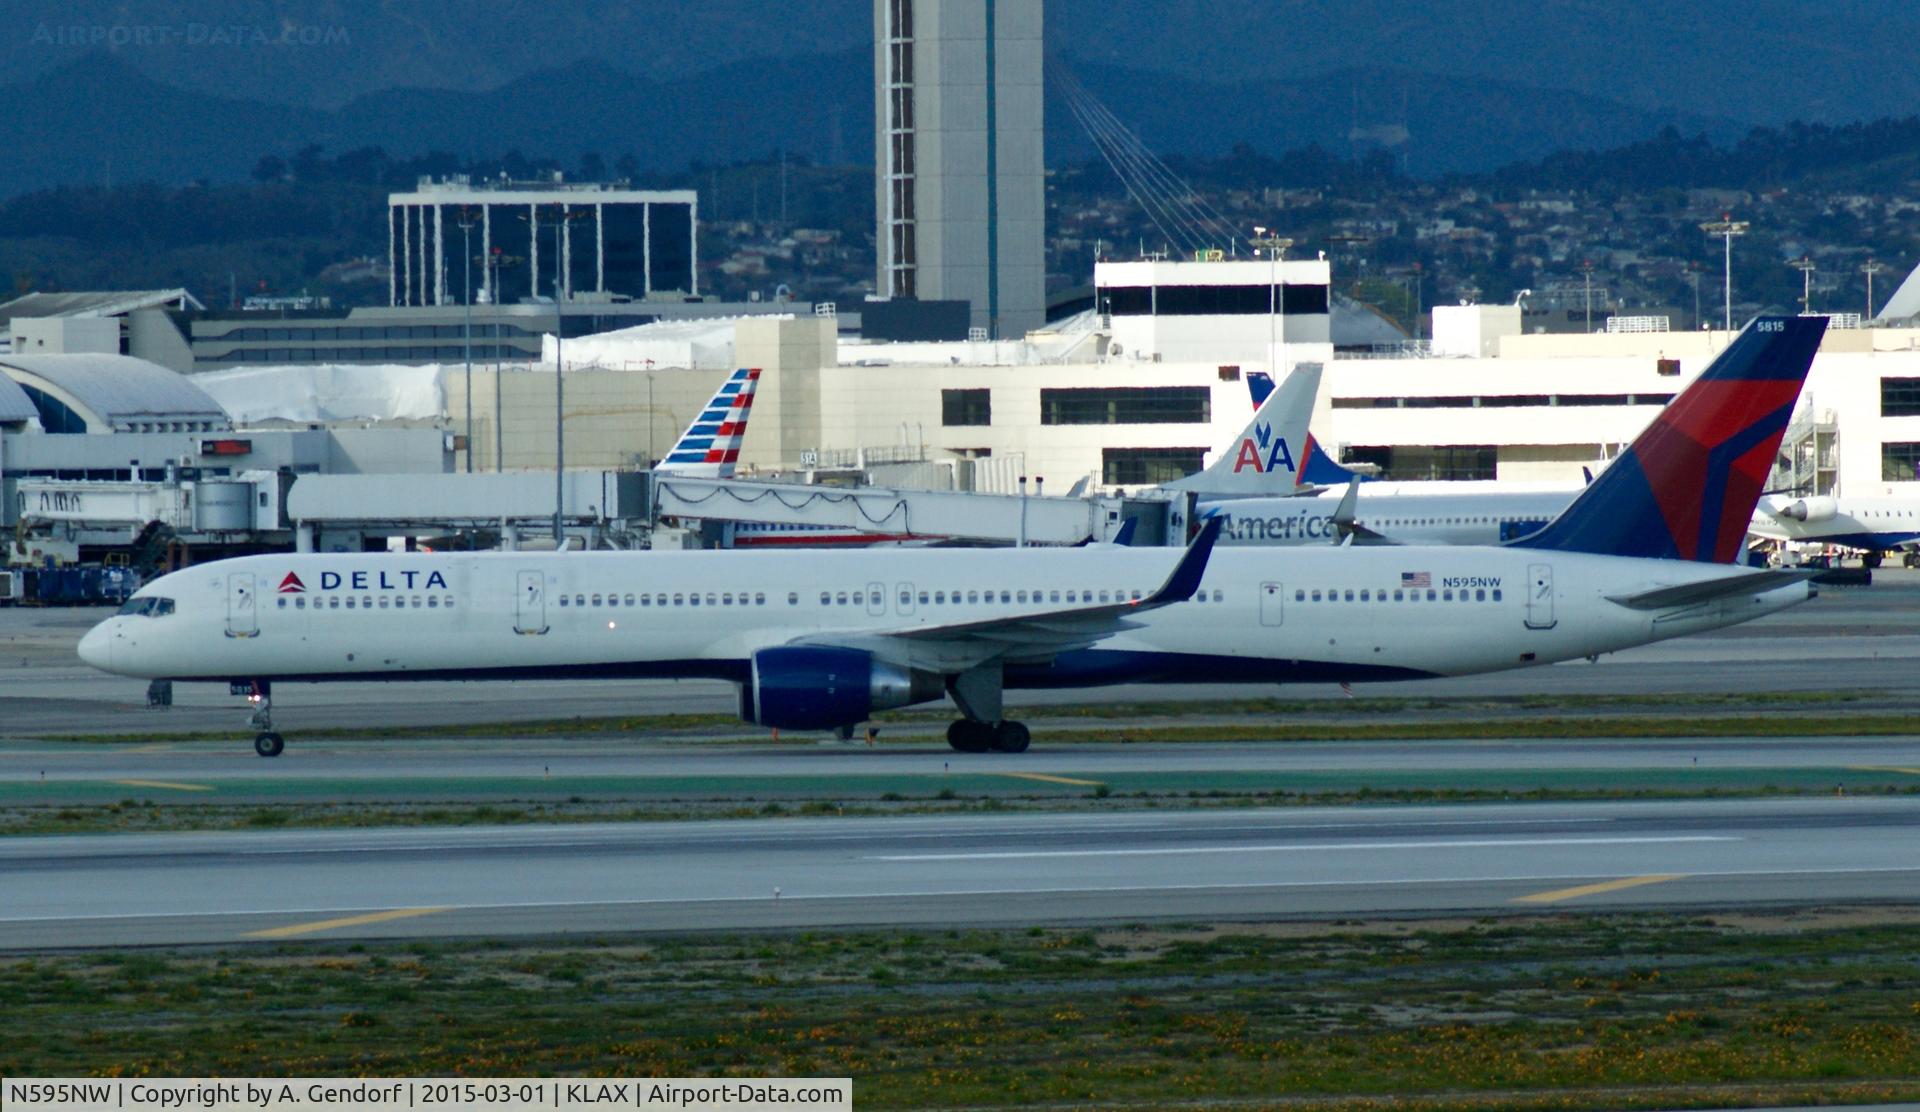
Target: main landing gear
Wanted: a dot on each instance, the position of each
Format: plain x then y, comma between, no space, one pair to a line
977,692
267,743
1005,736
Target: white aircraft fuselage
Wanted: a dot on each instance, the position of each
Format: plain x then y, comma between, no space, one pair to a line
1336,614
1412,519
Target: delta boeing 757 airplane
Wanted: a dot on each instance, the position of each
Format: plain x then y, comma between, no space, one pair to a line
821,640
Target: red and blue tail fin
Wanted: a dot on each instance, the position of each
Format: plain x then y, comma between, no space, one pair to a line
1318,470
711,445
1686,488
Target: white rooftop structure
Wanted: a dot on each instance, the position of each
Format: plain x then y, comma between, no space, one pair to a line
329,393
704,344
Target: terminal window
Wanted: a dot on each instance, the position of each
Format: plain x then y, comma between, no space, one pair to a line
966,407
1455,461
1900,397
1900,462
1150,405
1140,466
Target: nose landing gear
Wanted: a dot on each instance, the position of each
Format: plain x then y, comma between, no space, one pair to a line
266,742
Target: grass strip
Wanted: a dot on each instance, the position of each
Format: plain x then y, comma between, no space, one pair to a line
131,815
1606,1011
1317,713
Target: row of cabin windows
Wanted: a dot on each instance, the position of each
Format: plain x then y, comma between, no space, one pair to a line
860,598
1367,594
711,598
369,602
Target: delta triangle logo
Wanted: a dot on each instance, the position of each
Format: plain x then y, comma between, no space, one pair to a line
291,585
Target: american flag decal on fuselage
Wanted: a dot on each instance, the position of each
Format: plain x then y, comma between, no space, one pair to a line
711,445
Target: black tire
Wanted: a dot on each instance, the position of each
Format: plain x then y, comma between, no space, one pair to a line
1011,737
269,745
969,736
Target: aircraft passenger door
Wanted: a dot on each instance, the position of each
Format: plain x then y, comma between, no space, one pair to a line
1540,596
530,603
243,616
1273,599
906,598
876,599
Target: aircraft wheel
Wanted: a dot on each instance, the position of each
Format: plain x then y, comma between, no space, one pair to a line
969,736
1011,737
269,744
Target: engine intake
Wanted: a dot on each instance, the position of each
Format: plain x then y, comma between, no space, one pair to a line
819,688
1812,509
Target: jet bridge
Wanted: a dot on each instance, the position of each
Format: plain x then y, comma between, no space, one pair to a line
889,514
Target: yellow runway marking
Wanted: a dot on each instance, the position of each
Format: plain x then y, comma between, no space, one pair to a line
1883,768
156,747
168,784
1559,894
350,921
1051,779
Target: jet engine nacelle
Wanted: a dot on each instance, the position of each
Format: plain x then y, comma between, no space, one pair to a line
821,688
1812,509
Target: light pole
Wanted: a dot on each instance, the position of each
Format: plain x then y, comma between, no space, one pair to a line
1726,228
466,252
493,298
534,224
1276,246
1805,265
1586,271
1871,268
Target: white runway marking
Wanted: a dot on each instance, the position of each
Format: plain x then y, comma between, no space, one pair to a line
1328,847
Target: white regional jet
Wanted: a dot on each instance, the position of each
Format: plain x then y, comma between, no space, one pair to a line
819,640
1869,524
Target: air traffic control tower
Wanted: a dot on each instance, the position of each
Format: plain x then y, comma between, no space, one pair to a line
959,155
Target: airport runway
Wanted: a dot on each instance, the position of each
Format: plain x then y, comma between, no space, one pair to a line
1854,638
458,765
949,870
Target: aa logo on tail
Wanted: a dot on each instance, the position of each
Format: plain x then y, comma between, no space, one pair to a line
1270,454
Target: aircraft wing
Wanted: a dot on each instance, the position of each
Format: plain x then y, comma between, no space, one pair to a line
956,646
1688,594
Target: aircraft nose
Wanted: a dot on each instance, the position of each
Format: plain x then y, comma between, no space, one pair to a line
96,648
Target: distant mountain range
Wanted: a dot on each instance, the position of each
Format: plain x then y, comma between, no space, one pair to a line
100,119
1759,62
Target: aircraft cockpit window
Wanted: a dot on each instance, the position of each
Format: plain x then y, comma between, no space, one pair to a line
147,606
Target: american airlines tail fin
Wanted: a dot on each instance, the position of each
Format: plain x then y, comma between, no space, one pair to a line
710,447
1318,470
1263,458
1685,489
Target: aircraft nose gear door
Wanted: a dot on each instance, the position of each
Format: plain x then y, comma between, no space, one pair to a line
243,620
530,605
1540,596
1272,604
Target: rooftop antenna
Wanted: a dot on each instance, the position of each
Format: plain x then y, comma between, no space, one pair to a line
1806,266
1871,268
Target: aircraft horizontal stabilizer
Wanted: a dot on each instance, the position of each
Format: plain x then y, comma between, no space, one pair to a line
1688,594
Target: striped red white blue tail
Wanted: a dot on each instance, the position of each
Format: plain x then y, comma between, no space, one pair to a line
710,448
1686,488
